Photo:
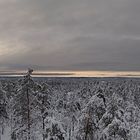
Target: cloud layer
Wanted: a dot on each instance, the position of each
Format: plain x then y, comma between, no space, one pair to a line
70,34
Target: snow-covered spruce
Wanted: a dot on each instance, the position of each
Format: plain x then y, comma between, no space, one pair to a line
69,108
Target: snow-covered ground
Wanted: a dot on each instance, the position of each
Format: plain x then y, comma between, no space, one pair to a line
70,108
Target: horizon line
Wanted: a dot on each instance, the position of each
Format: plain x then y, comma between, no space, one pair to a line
74,73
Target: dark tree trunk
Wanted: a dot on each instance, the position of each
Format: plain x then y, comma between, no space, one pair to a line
87,129
43,118
28,113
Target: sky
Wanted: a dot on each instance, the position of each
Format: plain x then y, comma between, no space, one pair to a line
86,35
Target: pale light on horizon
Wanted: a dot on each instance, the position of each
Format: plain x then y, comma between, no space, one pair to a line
74,73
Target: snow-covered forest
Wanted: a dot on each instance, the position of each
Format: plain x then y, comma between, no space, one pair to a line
69,108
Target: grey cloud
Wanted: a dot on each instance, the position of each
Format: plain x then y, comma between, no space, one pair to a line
70,34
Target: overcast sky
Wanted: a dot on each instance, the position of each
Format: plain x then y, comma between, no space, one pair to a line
70,34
